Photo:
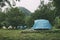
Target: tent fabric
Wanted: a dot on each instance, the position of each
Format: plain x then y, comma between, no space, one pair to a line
41,24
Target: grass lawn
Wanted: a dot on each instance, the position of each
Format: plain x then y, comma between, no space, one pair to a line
17,35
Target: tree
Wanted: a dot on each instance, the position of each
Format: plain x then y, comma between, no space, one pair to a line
57,22
15,17
2,18
3,3
28,21
56,3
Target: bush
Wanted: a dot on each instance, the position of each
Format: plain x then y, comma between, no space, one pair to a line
57,22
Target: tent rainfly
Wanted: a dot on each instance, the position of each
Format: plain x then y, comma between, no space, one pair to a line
41,24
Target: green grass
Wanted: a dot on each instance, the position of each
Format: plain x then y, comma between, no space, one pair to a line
17,35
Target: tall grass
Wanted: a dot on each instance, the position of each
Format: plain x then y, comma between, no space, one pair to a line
17,35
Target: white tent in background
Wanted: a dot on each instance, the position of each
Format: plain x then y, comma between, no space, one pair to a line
10,27
4,27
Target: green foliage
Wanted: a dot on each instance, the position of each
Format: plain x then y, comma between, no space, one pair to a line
56,4
57,7
2,18
15,17
57,22
29,21
1,0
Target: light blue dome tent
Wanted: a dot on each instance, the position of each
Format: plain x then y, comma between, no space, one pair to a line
41,24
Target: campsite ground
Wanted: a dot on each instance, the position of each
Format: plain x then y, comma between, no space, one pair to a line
17,35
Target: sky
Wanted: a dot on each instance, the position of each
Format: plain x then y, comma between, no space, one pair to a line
31,5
